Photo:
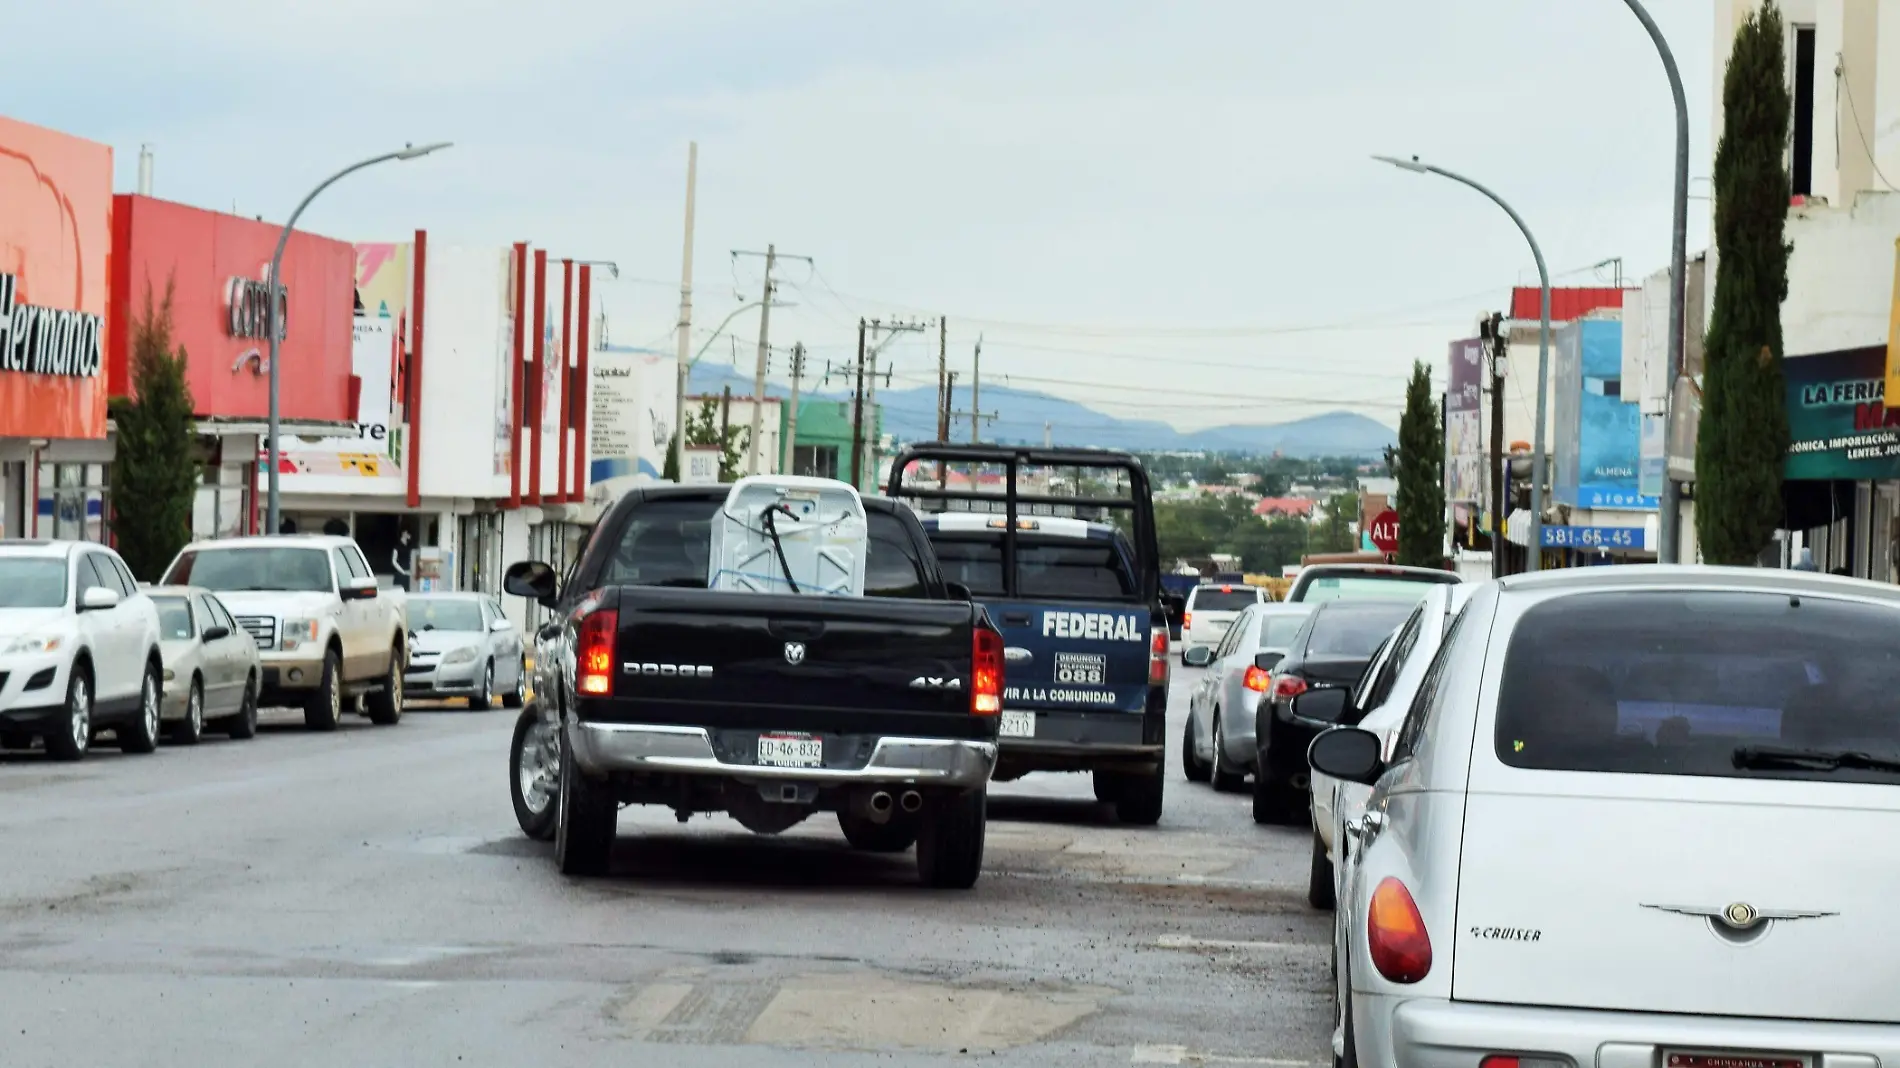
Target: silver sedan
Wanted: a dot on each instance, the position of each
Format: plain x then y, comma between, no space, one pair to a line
1218,740
462,645
211,666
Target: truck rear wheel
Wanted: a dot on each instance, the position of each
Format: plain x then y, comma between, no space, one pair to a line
950,840
584,822
1139,799
892,836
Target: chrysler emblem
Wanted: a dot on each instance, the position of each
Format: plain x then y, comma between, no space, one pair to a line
1739,918
794,652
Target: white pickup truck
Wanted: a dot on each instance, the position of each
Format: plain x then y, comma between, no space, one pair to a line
324,630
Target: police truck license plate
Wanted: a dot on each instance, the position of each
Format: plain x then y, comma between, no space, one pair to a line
791,750
1018,725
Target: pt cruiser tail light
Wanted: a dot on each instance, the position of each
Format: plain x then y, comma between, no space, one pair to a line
986,672
594,654
1158,658
1395,934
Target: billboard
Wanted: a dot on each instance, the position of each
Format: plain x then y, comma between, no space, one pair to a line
1464,424
369,461
383,282
630,419
467,352
1839,426
55,326
1597,433
217,268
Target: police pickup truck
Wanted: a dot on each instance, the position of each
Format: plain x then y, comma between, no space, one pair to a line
1078,601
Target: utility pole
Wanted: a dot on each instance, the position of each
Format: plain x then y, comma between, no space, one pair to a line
686,320
943,379
1495,332
1048,434
976,388
725,423
857,416
786,465
753,446
869,399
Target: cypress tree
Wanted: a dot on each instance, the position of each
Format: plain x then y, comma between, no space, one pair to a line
1421,474
1743,436
155,469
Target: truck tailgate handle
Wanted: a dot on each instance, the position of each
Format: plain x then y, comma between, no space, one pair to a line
1016,619
802,629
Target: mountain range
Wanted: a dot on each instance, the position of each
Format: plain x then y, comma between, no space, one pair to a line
1027,415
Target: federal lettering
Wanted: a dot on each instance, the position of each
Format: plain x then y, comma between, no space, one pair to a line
1093,626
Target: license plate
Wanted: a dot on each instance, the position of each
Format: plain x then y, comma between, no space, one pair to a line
1676,1059
1019,725
791,750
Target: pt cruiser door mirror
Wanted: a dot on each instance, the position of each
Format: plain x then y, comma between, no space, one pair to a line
1348,754
532,579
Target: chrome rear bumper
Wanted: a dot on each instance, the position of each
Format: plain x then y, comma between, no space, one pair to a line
603,748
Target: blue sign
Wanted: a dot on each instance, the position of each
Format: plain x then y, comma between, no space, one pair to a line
1593,538
1598,449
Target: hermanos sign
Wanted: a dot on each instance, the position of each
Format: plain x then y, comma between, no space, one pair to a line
46,341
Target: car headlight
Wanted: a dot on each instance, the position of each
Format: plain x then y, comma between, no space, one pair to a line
32,643
463,655
296,632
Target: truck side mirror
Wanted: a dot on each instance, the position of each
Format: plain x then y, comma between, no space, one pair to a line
534,580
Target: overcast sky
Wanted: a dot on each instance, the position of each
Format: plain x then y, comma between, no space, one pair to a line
1160,209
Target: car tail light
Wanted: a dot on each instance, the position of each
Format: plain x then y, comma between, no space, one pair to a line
1395,934
1158,658
1187,620
596,652
1256,679
1289,687
986,672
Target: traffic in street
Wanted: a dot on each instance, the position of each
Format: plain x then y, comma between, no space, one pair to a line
365,897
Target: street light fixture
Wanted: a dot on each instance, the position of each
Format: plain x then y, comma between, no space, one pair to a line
1669,514
679,392
274,329
1535,543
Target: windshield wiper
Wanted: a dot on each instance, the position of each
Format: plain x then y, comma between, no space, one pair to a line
1769,756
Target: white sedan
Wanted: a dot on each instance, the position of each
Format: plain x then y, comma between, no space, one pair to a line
212,671
1217,744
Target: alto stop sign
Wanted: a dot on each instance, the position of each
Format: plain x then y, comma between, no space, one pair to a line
1385,531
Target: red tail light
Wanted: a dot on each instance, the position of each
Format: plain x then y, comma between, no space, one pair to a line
986,672
1256,679
1158,658
1187,620
595,654
1395,934
1289,687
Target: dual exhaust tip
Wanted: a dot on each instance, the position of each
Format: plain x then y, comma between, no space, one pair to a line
881,804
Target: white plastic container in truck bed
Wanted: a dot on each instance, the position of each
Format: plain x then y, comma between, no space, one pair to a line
820,540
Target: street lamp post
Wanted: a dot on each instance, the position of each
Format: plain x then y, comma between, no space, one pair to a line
274,328
1670,511
1535,543
679,396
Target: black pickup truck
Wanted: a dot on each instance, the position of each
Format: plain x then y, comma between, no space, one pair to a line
769,707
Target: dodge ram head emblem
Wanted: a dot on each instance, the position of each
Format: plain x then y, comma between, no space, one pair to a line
794,652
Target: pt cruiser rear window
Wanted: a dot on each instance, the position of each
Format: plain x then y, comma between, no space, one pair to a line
1710,683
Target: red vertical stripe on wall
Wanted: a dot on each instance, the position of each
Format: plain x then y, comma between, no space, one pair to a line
539,375
562,421
579,388
518,378
419,265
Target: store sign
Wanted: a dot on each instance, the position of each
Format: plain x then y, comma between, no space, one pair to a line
248,309
46,341
1839,425
1554,537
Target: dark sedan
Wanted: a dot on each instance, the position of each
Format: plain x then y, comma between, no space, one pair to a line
1330,650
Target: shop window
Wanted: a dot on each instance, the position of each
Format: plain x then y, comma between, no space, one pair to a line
72,501
223,502
815,461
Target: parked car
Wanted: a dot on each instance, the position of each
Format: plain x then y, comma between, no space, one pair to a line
212,671
464,645
1639,811
1376,703
1330,651
1212,609
1359,582
325,630
1217,742
79,650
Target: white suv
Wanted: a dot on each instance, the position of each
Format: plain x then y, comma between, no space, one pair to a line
78,649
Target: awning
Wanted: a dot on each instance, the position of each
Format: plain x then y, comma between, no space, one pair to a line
1517,527
312,429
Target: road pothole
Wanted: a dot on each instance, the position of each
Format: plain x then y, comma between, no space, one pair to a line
854,1011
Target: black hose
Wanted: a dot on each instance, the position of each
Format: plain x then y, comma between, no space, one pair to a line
778,548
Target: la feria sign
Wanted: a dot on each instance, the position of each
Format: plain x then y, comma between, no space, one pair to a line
46,341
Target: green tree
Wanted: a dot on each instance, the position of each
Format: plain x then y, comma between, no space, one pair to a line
1334,534
155,470
1743,437
702,430
1420,469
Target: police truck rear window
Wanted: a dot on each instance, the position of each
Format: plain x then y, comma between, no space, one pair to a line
1064,569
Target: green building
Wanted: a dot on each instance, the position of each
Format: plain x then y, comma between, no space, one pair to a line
823,446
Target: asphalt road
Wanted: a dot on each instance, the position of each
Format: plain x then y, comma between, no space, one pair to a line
364,898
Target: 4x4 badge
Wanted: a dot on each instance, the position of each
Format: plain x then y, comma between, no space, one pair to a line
794,652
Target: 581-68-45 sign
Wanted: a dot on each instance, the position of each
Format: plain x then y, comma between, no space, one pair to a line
1593,537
